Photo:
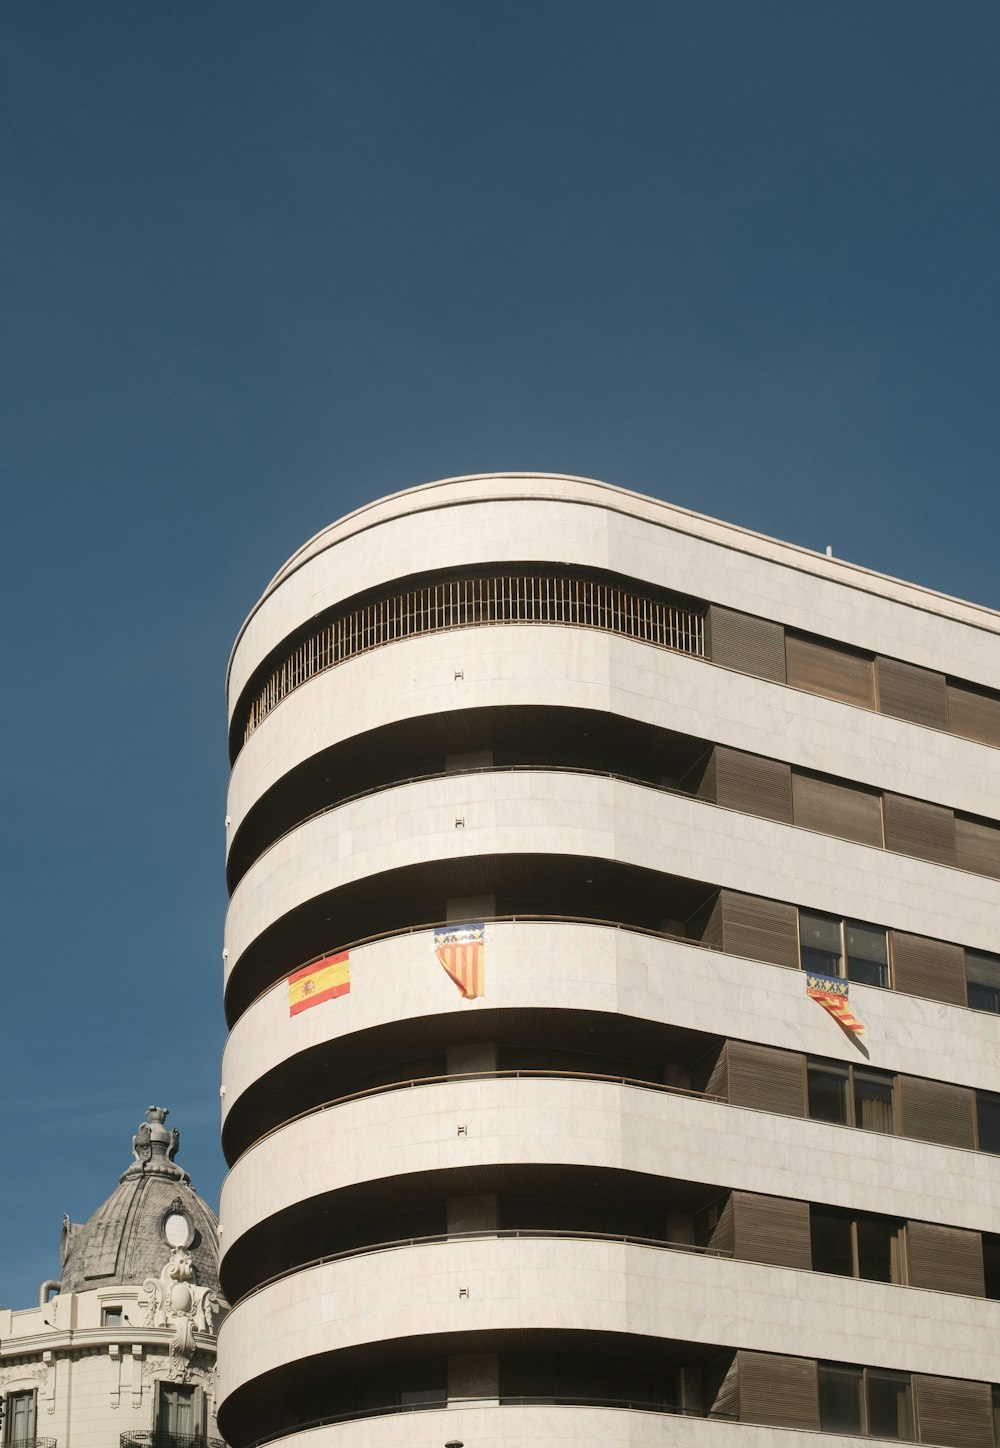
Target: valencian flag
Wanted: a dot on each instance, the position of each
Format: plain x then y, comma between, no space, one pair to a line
460,949
831,992
320,981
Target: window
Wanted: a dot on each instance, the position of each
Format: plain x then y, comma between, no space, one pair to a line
175,1411
988,1121
111,1317
866,1401
831,946
856,1244
991,1264
19,1418
982,975
854,1096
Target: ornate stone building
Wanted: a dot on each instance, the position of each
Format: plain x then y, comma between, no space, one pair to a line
121,1350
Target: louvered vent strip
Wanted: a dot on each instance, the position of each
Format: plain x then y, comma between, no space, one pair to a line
937,1111
915,827
954,1412
974,713
766,1078
754,785
978,847
760,929
830,669
945,1259
844,810
908,692
933,969
750,645
780,1391
772,1229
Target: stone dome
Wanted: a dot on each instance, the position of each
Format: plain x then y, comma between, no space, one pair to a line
153,1209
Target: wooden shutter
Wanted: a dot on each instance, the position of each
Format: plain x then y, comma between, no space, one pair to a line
780,1391
845,810
766,1078
708,785
740,641
717,1080
977,844
914,827
721,1235
908,692
953,1411
754,785
937,1111
974,713
726,1403
831,669
771,1229
945,1259
933,969
760,929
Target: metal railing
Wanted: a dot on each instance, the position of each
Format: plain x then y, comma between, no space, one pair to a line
30,1443
488,1234
475,603
536,1075
506,1400
164,1438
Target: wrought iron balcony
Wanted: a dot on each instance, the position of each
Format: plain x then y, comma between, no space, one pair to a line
164,1438
32,1442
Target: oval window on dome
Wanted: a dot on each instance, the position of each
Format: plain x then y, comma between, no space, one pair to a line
177,1229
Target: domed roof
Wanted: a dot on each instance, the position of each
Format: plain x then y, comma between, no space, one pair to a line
153,1209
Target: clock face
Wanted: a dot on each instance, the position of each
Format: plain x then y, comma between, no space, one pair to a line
178,1230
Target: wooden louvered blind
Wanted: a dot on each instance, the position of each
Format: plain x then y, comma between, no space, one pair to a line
754,785
830,669
771,1229
766,1078
717,1077
915,827
974,713
726,1403
740,641
760,929
977,844
937,1111
721,1236
954,1412
844,810
933,969
780,1391
945,1259
908,692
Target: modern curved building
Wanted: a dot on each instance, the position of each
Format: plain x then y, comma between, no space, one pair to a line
572,840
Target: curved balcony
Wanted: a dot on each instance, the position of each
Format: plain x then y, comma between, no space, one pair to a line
447,834
450,1297
466,1134
609,606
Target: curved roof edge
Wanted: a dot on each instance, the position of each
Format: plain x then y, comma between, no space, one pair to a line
473,487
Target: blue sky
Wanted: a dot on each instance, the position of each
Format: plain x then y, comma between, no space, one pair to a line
264,262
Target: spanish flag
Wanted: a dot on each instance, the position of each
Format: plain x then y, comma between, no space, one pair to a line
831,992
320,981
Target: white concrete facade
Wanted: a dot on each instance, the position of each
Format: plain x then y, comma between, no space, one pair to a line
334,1151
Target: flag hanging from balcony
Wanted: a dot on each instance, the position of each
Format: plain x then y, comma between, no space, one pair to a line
321,981
831,992
461,950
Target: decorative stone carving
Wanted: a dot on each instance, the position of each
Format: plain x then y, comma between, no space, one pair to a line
178,1303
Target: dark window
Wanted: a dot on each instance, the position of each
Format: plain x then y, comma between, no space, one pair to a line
991,1264
831,946
828,1093
988,1114
175,1409
855,1244
19,1418
111,1317
851,1096
866,1401
982,974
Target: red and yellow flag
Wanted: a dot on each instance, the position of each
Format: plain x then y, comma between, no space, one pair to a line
318,982
831,992
461,950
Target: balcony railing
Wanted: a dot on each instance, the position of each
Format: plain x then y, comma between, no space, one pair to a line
474,603
163,1438
30,1442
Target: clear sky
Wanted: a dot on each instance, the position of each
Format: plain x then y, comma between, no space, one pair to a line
262,262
